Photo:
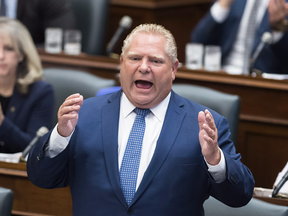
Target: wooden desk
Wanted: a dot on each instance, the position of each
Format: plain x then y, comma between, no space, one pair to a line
277,201
31,200
103,66
263,129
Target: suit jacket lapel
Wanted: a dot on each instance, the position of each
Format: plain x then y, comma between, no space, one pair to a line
172,123
15,103
110,122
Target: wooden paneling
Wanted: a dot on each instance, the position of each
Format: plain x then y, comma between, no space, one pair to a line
264,147
154,4
30,199
180,17
103,66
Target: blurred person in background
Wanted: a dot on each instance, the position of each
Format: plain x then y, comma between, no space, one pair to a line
37,15
238,25
26,102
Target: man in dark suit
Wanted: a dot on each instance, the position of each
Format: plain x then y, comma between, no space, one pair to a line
186,154
226,25
37,15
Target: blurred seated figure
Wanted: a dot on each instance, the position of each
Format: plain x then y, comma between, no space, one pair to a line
37,15
26,102
238,26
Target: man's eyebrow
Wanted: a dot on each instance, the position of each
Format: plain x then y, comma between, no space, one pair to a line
132,53
160,57
157,56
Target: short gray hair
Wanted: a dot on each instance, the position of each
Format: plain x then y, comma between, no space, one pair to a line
170,48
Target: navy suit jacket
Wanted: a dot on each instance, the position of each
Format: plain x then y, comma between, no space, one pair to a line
273,59
25,115
37,15
176,181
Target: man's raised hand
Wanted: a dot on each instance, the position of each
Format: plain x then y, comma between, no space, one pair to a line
68,114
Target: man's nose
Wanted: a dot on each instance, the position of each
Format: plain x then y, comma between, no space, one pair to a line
144,66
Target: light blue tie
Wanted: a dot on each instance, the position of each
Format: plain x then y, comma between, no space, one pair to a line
131,159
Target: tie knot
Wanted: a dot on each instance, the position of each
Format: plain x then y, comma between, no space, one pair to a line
142,112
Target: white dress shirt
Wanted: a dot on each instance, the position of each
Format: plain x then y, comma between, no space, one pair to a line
234,62
154,122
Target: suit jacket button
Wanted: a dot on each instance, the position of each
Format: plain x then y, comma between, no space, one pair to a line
38,157
233,179
130,211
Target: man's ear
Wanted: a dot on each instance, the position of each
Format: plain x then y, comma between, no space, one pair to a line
174,68
121,58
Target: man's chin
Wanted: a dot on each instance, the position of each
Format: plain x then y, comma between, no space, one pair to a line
142,101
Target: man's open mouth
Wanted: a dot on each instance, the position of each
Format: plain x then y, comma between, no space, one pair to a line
143,84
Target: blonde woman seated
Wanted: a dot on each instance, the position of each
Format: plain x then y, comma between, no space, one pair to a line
26,102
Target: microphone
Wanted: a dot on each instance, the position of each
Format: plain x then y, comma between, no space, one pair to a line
280,185
40,132
124,24
266,39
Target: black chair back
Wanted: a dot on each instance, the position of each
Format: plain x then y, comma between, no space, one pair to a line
67,81
255,207
6,201
91,19
226,105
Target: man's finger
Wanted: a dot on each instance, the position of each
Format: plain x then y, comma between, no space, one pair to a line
201,119
69,109
211,133
73,96
210,119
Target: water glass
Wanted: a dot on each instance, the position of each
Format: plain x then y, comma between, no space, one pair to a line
53,40
194,55
72,42
212,59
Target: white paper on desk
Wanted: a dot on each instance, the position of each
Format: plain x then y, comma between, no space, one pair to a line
284,189
275,76
11,158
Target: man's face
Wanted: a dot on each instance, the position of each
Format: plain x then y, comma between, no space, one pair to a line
146,71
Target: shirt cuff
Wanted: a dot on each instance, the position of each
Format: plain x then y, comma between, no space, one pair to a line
218,171
57,143
219,13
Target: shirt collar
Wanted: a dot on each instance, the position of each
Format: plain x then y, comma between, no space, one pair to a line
158,111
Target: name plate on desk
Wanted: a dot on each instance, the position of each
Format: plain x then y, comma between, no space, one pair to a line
10,158
263,192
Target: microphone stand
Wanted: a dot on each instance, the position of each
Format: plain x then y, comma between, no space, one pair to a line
266,39
279,186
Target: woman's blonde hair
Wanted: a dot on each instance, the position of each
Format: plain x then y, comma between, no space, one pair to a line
170,48
29,70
